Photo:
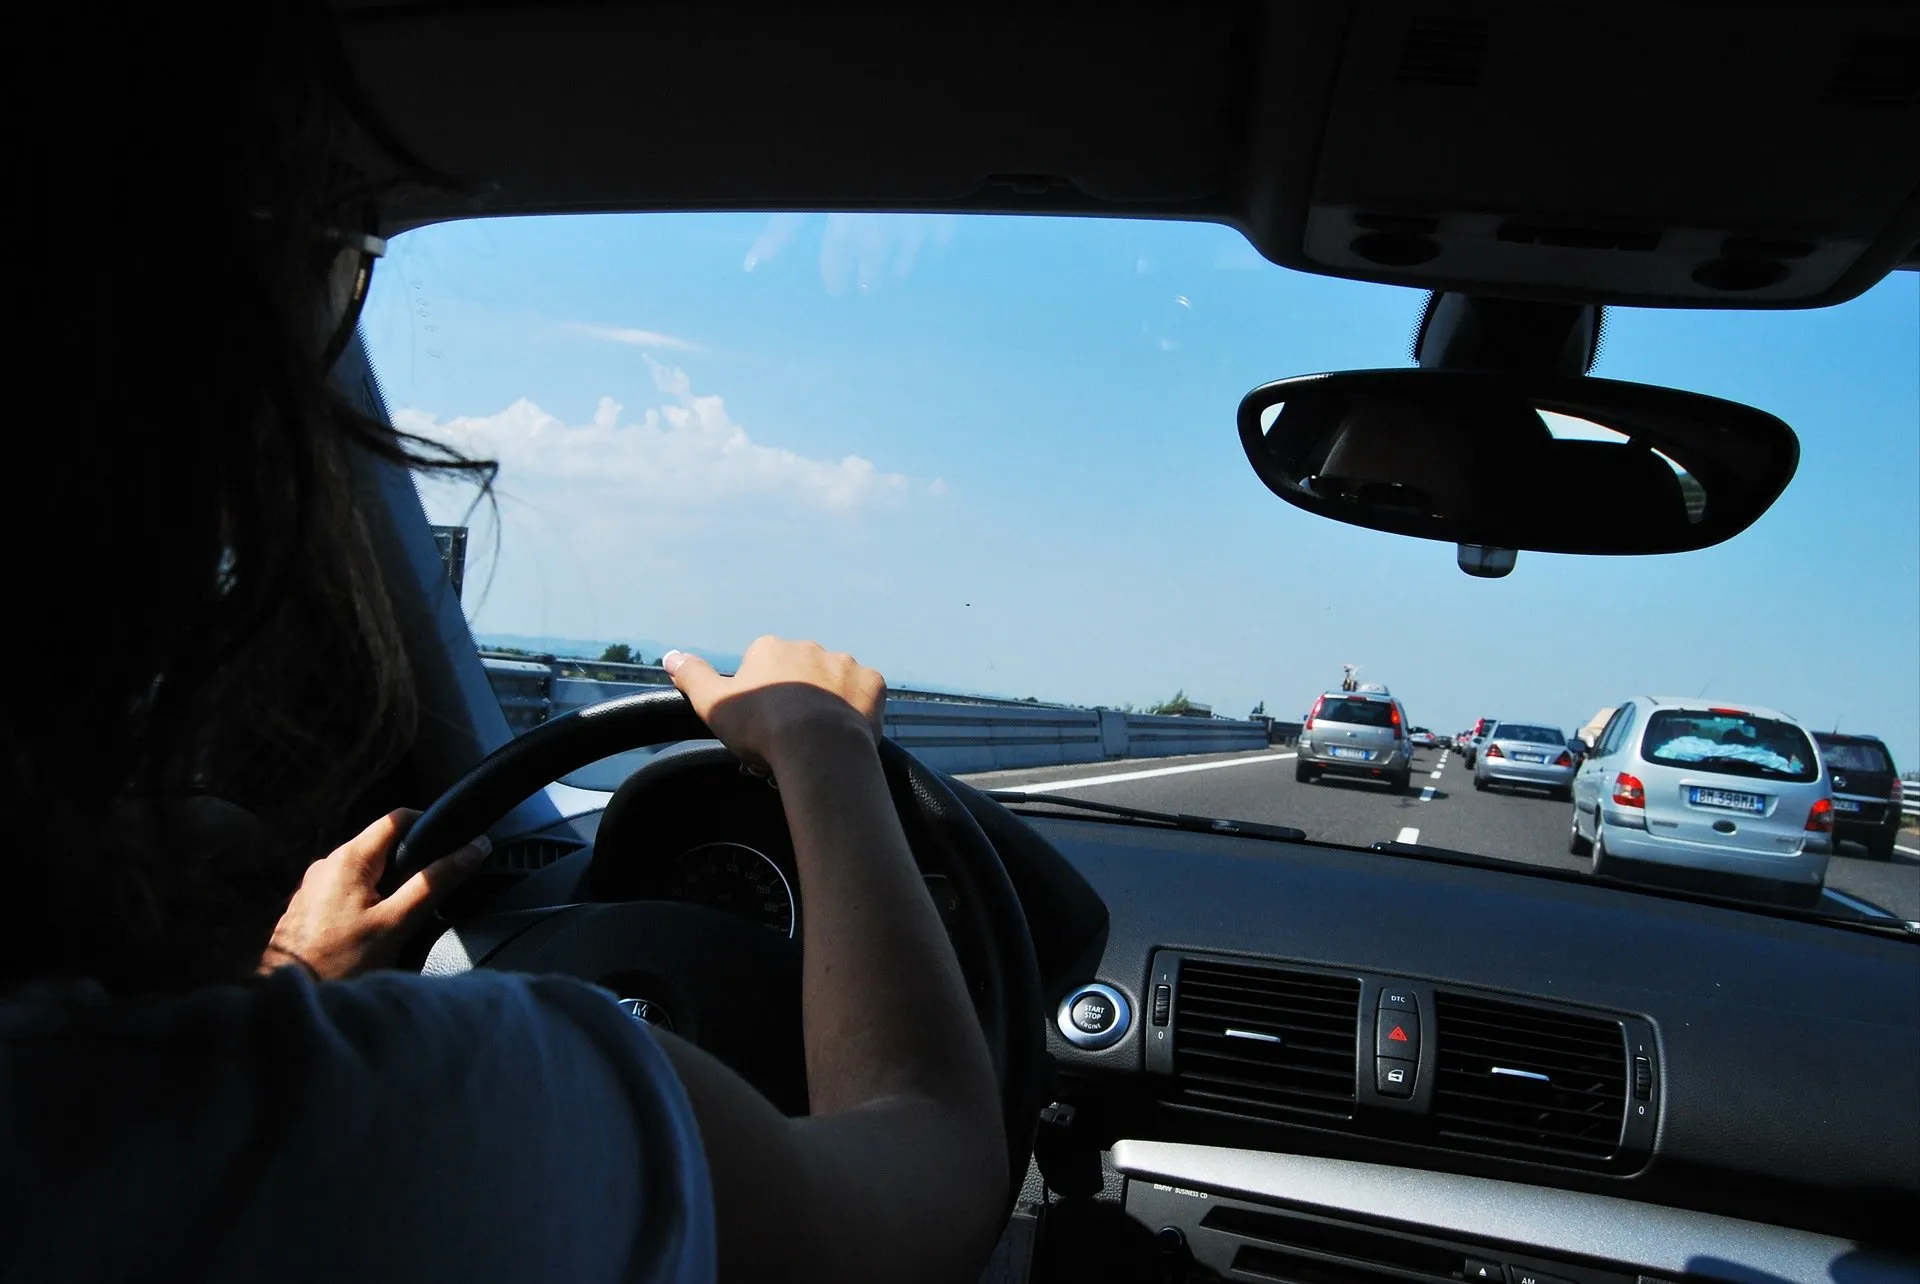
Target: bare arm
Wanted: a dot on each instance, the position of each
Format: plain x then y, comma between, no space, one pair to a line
900,1171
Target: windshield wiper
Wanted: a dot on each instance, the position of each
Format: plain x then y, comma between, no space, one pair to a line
1178,820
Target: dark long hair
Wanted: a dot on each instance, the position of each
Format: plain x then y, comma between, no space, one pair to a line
195,607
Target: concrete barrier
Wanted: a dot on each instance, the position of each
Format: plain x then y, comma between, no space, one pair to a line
962,734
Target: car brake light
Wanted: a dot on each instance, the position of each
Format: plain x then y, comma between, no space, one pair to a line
1734,713
1314,713
1896,795
1628,791
1394,709
1564,760
1820,818
1493,751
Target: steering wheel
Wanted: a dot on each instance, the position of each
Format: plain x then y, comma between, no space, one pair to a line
736,985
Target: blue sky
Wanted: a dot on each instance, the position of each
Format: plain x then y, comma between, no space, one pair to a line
998,454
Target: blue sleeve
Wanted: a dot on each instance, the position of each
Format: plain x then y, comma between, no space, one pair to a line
471,1128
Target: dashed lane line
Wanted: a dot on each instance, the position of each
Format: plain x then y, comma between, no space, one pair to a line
1088,782
1426,795
1407,835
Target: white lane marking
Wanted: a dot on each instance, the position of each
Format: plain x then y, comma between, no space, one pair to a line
1911,851
1852,903
1433,775
1426,795
1407,835
1055,786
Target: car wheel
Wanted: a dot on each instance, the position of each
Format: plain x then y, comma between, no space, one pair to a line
1401,783
1480,784
1302,773
1576,845
1880,847
1602,867
1564,794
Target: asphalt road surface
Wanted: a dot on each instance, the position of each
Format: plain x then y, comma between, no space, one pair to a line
1441,810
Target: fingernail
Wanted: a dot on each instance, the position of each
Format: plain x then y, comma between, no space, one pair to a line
476,851
672,661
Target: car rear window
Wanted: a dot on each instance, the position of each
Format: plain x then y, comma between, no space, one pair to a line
1367,713
1855,755
1733,744
1531,734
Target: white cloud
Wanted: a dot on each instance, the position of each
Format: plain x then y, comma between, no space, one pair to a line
638,338
857,251
684,456
773,237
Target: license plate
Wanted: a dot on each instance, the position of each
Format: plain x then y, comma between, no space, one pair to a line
1349,753
1528,757
1726,799
1841,804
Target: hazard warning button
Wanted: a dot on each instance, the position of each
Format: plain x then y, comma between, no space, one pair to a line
1399,1035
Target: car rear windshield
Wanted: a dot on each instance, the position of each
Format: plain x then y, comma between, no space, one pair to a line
1734,744
1367,713
1855,755
1531,734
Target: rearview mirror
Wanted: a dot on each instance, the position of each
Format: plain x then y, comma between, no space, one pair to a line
1497,462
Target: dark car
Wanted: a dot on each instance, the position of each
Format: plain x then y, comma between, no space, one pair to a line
1866,790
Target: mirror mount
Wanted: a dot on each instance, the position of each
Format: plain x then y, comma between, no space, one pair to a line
1477,332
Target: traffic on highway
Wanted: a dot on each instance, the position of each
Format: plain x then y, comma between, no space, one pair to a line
1686,796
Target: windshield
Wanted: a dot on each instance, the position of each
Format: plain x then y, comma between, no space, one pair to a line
1366,713
996,458
1854,755
1736,743
1529,734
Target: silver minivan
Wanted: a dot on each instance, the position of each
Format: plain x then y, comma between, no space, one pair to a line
1737,792
1356,733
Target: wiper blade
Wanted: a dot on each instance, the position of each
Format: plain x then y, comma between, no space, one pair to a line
1178,820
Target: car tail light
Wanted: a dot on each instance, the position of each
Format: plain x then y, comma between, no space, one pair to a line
1896,795
1493,751
1628,791
1314,713
1395,711
1564,760
1820,817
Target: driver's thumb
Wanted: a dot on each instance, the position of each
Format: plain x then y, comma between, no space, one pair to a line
696,679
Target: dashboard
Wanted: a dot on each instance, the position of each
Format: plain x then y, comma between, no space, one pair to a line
1346,1067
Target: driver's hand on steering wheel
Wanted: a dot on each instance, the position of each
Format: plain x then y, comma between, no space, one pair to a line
784,694
338,925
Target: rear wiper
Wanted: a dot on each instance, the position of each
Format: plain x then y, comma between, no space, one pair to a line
1179,820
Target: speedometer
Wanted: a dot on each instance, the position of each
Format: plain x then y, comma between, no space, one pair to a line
736,878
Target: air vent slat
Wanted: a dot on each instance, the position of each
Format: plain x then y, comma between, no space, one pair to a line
1575,1115
1309,1071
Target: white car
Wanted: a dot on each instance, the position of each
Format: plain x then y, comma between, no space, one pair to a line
1732,792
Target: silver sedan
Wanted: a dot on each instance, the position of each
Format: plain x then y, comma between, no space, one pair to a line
1526,753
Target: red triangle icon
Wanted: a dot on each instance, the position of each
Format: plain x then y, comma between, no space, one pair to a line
1398,1035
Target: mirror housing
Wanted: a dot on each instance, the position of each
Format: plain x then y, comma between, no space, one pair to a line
1467,457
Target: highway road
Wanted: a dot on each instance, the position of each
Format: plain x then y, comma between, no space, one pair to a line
1442,810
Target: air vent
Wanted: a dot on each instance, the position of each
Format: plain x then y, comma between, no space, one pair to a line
1443,53
1528,1083
529,855
1878,72
1263,1043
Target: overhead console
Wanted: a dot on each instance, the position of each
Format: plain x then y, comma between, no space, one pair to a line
1667,153
1268,1046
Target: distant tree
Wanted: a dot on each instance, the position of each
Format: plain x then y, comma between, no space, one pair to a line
618,653
1179,704
1031,700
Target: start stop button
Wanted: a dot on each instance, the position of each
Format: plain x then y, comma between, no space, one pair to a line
1094,1017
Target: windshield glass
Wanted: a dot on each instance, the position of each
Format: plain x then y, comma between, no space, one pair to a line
1732,742
1854,755
1366,713
1529,734
996,458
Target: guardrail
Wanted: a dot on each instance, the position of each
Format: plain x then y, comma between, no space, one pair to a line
948,733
